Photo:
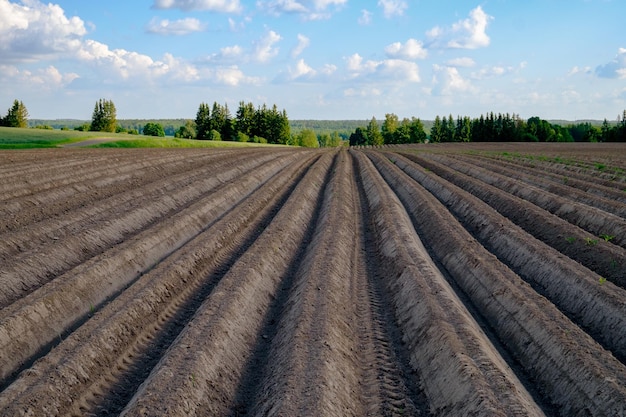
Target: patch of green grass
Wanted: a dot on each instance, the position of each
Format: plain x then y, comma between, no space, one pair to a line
602,280
570,239
19,138
600,166
591,242
16,138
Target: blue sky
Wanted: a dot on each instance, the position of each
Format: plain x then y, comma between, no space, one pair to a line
318,59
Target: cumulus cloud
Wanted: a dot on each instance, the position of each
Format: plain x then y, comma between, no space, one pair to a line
392,8
223,6
304,72
48,78
365,18
307,9
448,81
614,69
303,43
233,76
468,33
412,49
175,27
264,48
32,30
388,69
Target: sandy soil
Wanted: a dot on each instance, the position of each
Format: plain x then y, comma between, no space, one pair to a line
442,280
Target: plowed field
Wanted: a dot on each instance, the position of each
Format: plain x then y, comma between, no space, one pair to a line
476,280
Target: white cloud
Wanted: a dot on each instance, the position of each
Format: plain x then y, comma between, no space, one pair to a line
468,33
412,49
491,72
464,62
175,27
393,8
388,69
264,49
448,81
48,78
365,18
224,6
579,70
303,43
307,9
233,76
614,69
304,72
34,30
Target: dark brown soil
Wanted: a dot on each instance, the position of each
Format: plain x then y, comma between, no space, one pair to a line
288,282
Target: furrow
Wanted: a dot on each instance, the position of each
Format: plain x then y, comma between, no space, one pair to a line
557,188
34,321
577,291
461,371
63,173
200,373
586,183
87,188
315,352
25,272
100,365
573,370
595,221
604,258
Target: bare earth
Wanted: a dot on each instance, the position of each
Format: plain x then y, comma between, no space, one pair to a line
423,280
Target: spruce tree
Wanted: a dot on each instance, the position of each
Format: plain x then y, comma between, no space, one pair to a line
104,118
17,116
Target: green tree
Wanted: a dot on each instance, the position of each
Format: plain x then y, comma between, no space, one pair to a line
463,132
358,138
203,122
104,118
187,131
417,132
324,139
308,139
437,131
389,128
374,137
244,119
17,116
336,139
153,129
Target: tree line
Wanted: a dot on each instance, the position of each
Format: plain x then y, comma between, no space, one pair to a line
486,128
269,125
250,124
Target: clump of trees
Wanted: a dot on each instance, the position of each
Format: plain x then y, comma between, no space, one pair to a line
153,129
486,128
615,133
393,132
104,118
250,124
17,115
